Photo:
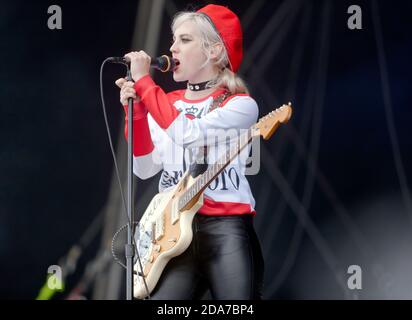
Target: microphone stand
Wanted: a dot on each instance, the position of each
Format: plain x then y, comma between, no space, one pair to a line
129,247
165,64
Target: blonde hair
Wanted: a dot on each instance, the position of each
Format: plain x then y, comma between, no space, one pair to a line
226,78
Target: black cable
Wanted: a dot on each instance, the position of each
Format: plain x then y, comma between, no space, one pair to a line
118,180
113,245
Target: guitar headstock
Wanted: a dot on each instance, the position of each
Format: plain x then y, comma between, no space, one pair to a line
269,123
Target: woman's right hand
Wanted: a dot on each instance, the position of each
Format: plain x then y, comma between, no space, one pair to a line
126,91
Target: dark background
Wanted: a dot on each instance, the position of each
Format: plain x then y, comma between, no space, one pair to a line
56,166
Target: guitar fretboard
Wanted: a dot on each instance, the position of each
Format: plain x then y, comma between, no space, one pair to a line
214,170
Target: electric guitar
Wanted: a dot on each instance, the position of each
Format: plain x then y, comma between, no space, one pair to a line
165,229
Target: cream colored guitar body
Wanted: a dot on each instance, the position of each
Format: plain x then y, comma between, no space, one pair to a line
164,233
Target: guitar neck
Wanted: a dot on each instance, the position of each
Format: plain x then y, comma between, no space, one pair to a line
213,171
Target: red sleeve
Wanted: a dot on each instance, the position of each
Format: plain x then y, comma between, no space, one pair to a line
142,140
156,101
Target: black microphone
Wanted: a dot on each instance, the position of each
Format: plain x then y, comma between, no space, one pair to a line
163,63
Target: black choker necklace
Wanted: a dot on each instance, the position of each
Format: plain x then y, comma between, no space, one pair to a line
198,86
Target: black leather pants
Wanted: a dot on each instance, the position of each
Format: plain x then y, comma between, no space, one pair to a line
224,257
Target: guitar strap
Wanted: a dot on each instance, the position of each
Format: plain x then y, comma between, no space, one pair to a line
200,165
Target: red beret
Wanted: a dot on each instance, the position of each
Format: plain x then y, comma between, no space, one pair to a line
228,25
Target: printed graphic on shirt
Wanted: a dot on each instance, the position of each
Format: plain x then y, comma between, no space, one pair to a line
227,179
170,178
192,111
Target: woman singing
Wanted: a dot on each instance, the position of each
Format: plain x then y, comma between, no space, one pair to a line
171,129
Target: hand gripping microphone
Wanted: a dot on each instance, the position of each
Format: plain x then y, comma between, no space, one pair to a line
163,63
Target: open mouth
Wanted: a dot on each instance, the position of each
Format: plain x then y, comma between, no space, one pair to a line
177,63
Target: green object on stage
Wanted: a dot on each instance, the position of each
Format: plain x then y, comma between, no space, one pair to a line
50,288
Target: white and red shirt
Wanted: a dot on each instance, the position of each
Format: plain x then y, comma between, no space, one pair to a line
176,128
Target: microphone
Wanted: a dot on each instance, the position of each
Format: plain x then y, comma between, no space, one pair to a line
163,63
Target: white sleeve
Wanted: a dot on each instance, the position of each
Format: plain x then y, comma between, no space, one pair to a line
150,164
240,112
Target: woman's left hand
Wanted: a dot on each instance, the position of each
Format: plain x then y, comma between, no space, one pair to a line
139,64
